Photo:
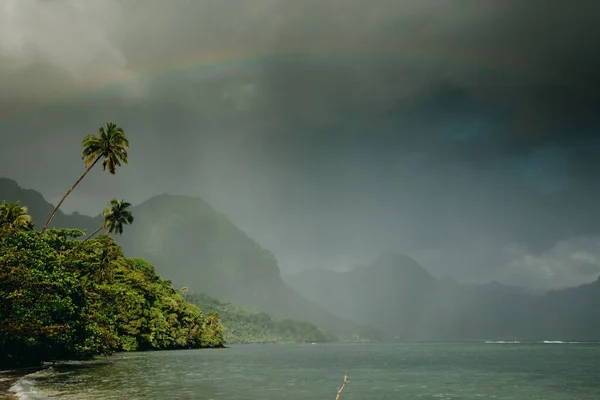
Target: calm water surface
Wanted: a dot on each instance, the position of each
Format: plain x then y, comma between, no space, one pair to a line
376,371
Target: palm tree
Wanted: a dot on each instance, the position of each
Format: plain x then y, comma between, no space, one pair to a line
110,144
184,291
14,216
212,318
115,216
104,272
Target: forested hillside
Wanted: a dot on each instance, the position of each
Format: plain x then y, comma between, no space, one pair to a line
194,246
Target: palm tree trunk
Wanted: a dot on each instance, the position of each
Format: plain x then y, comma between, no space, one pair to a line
66,194
92,234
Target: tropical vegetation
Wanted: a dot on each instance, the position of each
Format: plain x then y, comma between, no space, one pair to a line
14,216
64,298
245,326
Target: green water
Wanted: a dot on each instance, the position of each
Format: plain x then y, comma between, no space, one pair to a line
376,371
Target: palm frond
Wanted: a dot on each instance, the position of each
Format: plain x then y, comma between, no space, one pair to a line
14,216
110,143
116,216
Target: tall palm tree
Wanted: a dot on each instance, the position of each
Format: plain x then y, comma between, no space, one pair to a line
110,144
14,216
115,216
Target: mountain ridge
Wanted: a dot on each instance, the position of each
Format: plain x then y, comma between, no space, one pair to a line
417,306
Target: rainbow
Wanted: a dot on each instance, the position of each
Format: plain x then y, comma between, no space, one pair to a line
220,64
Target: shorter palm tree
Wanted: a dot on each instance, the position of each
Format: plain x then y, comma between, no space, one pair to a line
14,216
105,272
115,216
184,291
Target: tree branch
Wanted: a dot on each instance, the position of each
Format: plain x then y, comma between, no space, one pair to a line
342,388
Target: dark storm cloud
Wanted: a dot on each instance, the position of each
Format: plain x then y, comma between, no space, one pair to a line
408,125
541,60
540,57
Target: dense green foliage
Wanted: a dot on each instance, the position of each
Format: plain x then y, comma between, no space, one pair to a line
244,326
61,299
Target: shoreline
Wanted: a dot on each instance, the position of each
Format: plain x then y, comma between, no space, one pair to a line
7,380
9,377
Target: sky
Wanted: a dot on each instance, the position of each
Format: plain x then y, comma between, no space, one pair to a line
461,132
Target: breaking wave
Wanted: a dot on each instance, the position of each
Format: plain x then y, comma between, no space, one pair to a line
502,341
536,342
25,388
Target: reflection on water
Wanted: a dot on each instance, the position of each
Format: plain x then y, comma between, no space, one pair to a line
376,371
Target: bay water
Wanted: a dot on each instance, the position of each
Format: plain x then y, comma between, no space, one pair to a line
426,371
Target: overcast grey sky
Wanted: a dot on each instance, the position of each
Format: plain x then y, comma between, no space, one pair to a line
463,132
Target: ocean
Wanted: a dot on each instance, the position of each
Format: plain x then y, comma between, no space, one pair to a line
425,371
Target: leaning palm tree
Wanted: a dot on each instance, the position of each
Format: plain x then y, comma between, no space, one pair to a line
110,144
115,216
14,216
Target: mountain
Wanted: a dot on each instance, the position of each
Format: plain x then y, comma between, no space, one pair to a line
40,209
400,297
394,294
203,250
572,314
194,246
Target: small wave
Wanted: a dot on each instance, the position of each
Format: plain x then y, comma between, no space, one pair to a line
534,342
25,387
502,341
563,342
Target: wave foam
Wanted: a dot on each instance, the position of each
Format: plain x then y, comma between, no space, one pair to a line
25,387
502,341
561,342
